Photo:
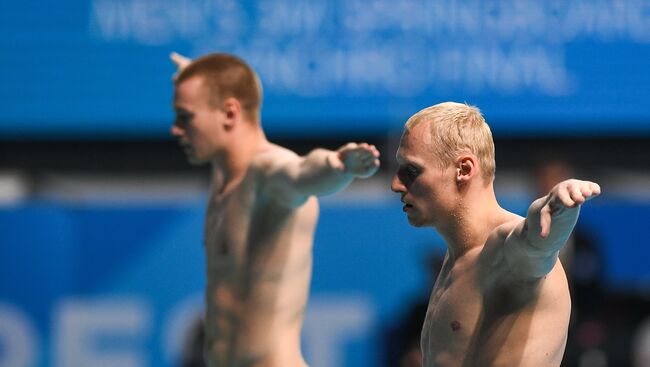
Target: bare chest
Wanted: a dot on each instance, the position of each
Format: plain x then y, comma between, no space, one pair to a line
477,315
225,226
453,312
248,236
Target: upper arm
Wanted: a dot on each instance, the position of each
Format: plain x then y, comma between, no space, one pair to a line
292,179
278,174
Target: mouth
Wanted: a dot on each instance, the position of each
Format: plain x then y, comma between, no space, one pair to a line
407,207
185,147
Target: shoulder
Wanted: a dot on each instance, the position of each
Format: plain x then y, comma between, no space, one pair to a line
494,255
267,160
514,254
500,234
275,169
273,164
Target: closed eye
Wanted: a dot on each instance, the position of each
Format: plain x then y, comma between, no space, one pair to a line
408,173
183,118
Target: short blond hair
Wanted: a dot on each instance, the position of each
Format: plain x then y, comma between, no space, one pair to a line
456,128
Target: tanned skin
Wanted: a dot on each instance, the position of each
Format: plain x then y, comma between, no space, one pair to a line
501,297
259,226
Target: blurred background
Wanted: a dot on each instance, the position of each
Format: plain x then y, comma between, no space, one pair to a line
101,218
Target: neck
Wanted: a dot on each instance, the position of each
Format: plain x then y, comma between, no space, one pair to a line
231,165
472,220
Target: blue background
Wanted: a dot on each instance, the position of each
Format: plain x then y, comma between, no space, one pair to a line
80,70
100,68
369,265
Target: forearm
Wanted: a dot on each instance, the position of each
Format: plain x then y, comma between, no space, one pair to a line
563,220
529,252
321,173
533,245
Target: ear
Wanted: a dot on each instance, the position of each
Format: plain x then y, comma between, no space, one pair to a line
466,168
232,111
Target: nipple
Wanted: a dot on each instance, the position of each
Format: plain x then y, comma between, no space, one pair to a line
455,325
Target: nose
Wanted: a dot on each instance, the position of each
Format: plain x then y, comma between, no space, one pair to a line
176,131
397,185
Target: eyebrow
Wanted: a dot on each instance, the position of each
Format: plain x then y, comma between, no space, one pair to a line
401,159
397,156
182,110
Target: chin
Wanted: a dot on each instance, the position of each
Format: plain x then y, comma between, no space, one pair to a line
420,221
415,222
195,161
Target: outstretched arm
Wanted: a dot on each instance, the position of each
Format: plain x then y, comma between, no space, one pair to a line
321,172
532,247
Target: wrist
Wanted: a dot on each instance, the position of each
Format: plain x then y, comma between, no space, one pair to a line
335,162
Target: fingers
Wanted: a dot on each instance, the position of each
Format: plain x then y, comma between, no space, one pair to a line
569,194
370,148
366,158
360,159
364,147
545,221
359,151
369,151
179,60
564,196
181,63
369,157
595,189
575,192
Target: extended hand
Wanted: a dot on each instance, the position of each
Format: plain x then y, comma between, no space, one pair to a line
360,160
180,61
567,194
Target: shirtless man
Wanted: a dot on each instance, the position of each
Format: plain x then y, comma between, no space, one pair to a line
261,214
501,297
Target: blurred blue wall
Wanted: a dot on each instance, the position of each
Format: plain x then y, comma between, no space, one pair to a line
97,68
120,285
85,283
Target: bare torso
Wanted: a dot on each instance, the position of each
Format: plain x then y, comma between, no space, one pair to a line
259,260
479,316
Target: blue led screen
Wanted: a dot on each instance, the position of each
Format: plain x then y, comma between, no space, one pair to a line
100,67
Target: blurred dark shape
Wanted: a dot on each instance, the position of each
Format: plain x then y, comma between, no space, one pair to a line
641,346
584,266
402,339
581,256
603,321
193,349
619,321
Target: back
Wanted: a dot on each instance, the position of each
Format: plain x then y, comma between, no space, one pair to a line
259,260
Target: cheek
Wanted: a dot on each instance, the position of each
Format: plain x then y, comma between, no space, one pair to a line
188,130
196,134
420,188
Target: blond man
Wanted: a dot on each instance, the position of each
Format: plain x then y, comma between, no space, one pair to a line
501,297
261,214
